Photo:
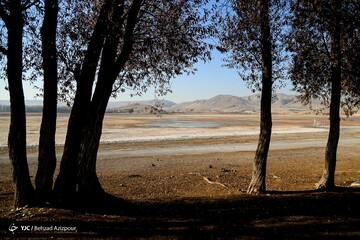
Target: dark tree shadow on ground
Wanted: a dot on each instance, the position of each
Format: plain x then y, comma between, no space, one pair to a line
275,215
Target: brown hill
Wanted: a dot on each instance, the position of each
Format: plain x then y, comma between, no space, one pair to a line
281,103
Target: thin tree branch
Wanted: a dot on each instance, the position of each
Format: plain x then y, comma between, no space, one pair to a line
28,4
3,50
129,31
3,15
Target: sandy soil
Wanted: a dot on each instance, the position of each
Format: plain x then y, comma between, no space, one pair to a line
199,168
123,128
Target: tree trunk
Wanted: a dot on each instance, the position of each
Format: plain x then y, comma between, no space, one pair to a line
66,181
24,191
111,65
257,184
89,185
47,151
327,181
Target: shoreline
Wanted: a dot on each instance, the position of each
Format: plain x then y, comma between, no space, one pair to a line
188,135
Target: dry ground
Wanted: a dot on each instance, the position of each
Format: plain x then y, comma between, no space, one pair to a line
202,194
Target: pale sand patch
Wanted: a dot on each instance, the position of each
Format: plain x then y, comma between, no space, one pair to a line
127,127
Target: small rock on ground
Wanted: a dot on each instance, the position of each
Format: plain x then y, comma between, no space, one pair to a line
355,184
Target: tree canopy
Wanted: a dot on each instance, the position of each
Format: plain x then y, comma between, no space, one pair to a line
310,44
239,36
168,41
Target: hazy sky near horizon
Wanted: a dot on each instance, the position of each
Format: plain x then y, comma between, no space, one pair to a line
210,80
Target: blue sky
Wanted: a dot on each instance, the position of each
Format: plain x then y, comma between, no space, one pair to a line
210,80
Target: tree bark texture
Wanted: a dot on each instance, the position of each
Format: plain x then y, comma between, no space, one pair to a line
89,185
110,67
24,191
47,151
66,181
327,181
258,184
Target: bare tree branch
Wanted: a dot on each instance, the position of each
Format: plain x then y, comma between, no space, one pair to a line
3,15
3,50
129,31
28,4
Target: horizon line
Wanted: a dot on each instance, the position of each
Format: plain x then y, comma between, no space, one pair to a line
165,99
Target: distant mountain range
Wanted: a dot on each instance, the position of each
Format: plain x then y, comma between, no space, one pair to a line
281,103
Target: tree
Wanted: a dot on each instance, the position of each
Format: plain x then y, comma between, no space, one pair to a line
134,44
327,180
84,75
322,65
351,58
251,32
110,67
47,153
12,15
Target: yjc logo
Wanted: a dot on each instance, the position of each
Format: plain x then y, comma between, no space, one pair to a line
12,228
25,228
